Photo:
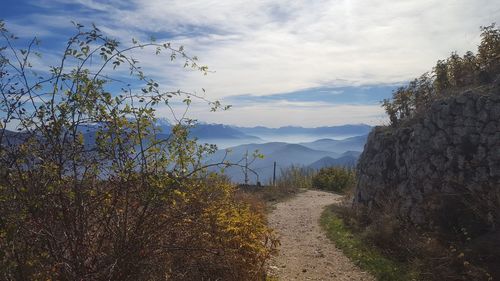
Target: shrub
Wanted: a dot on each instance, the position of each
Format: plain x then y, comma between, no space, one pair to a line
226,239
363,253
295,177
448,77
89,190
427,252
335,179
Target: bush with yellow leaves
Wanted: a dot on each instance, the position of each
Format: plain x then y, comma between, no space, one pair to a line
228,239
90,189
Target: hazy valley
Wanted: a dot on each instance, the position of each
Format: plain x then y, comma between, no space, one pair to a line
329,146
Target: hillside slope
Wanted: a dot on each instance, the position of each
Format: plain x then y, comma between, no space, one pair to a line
339,146
284,154
441,171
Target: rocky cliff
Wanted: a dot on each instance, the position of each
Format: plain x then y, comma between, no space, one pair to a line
452,151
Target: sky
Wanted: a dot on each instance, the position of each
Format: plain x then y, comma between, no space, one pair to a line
288,62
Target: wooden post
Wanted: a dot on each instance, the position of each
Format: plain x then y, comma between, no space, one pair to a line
246,168
274,174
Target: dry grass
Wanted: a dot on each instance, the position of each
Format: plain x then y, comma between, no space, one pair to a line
429,253
364,254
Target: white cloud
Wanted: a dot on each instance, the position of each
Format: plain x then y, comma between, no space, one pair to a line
267,46
284,113
263,47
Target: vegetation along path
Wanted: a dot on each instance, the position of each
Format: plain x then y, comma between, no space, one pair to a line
305,252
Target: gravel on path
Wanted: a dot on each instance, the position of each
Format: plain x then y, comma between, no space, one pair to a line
305,252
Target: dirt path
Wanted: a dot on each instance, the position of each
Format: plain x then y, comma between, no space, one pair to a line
305,252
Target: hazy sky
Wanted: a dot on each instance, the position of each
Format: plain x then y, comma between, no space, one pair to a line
309,63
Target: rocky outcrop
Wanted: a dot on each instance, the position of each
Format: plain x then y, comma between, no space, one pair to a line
451,150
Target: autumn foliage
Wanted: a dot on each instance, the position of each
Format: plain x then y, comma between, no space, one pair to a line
450,76
336,179
91,190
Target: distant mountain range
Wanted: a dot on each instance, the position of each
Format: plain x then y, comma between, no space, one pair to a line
323,151
219,131
346,160
339,146
353,130
286,154
209,131
228,136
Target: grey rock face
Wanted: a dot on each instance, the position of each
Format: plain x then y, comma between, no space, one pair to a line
453,149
